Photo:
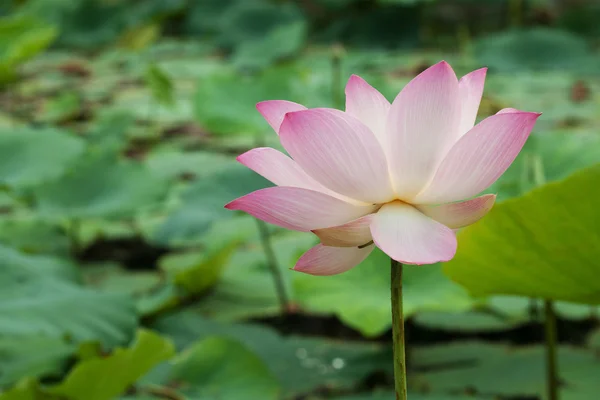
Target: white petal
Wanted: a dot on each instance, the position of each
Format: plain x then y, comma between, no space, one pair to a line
325,260
354,233
339,151
422,125
508,111
298,209
479,158
274,111
368,105
470,89
461,214
410,237
279,169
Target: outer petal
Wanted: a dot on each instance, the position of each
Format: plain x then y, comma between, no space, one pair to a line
339,151
325,260
368,105
274,111
354,233
458,215
470,89
410,237
279,169
298,209
479,157
422,125
508,111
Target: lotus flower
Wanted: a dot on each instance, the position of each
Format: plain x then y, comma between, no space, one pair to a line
399,176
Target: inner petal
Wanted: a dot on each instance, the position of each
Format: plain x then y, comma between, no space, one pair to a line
410,237
340,152
422,125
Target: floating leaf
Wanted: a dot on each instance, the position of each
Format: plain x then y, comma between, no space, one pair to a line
112,278
30,234
27,389
197,271
300,364
173,164
140,37
105,378
21,37
29,156
475,367
246,288
62,108
540,245
56,309
203,204
160,84
468,321
282,41
535,49
548,156
109,131
39,296
18,266
32,356
101,187
425,288
412,396
223,368
225,103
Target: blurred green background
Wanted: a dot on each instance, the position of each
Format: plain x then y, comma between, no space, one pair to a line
122,276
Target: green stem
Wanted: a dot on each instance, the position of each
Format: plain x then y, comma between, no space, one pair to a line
265,239
551,345
398,331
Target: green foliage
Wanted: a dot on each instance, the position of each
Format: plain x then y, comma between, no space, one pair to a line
480,365
30,156
542,244
32,304
258,32
40,296
424,289
117,153
62,108
100,186
202,204
33,356
160,84
30,234
92,23
536,49
225,103
299,364
21,38
197,271
222,368
548,157
104,378
25,390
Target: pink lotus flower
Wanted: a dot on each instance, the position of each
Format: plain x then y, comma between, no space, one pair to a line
391,175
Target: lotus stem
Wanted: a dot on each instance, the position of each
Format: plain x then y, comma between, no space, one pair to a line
539,178
336,76
398,331
551,346
265,238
